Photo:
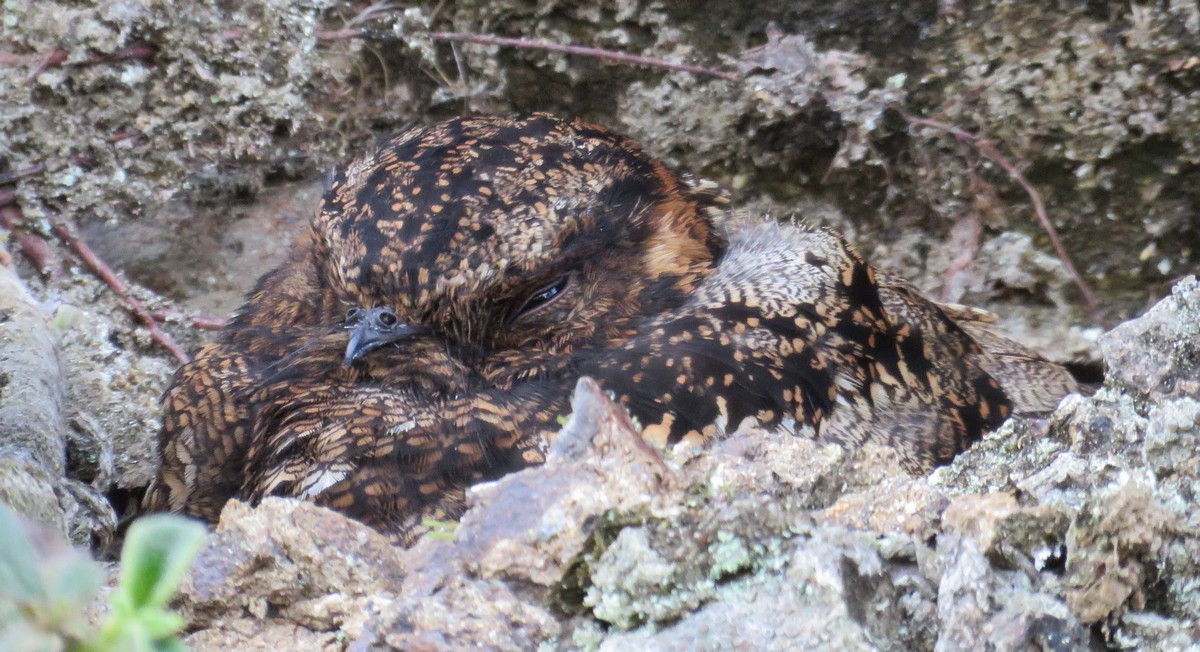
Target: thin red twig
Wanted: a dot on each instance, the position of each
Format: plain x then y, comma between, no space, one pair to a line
528,44
344,34
57,57
145,51
38,169
595,53
33,246
31,171
106,274
39,253
198,322
990,152
54,58
964,235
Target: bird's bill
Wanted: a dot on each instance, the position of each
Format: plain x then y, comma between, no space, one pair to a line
368,335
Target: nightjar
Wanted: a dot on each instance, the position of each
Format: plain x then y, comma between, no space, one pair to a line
427,331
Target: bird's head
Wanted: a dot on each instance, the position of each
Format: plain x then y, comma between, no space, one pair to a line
510,237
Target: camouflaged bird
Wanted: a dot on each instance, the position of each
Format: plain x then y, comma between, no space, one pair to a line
427,331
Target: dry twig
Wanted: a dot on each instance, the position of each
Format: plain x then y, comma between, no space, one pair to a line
988,150
595,53
57,57
106,274
199,322
527,44
33,246
13,177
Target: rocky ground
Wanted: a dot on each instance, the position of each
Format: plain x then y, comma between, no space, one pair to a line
185,143
1077,532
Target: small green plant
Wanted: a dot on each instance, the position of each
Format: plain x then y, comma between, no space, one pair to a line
439,530
42,600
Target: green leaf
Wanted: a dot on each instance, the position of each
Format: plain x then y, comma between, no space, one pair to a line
440,530
160,623
170,645
130,638
158,550
18,564
72,579
25,635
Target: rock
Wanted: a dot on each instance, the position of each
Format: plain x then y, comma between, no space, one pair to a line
534,525
830,591
1103,513
531,529
113,390
677,553
288,565
1003,529
764,540
465,612
1114,546
1172,439
1148,631
261,634
981,607
1156,356
877,495
1018,450
33,423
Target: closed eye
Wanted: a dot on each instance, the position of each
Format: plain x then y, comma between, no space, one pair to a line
544,296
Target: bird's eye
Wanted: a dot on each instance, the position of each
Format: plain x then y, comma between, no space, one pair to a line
353,314
544,296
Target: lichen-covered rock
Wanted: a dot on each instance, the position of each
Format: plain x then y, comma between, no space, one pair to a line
288,565
1002,528
1113,477
1072,533
1156,356
33,423
267,634
206,81
464,612
1100,100
598,464
829,590
112,401
877,495
982,607
528,536
1114,546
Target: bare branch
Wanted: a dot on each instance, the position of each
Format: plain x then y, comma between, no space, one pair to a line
31,171
57,57
110,278
595,53
33,246
348,33
989,151
198,322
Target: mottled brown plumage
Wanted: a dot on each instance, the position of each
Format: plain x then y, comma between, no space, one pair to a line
427,331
